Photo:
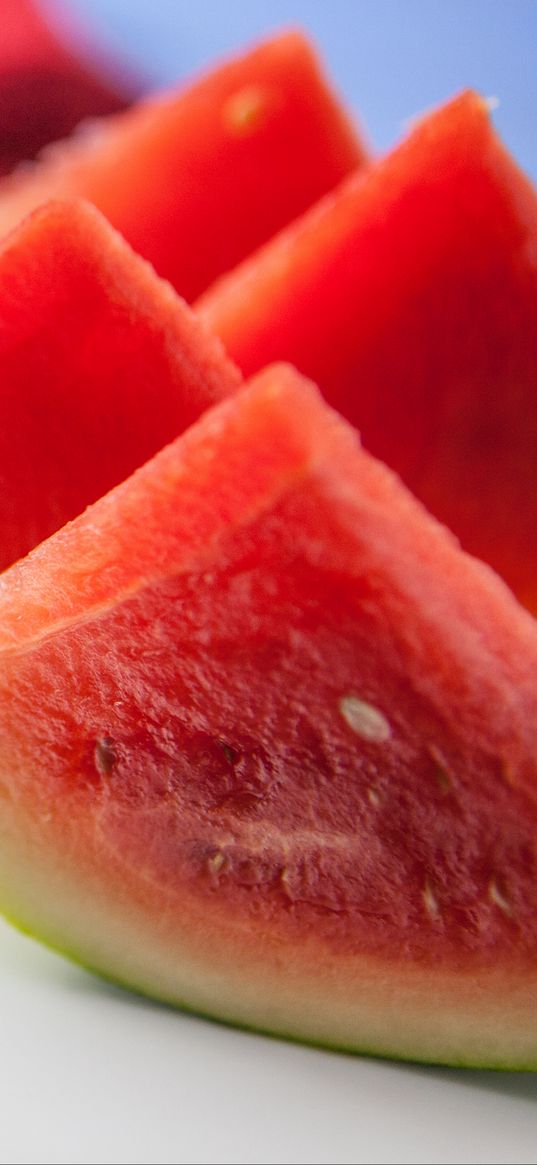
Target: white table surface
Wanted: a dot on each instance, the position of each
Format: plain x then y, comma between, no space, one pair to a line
92,1074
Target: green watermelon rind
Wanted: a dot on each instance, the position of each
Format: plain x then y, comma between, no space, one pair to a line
147,994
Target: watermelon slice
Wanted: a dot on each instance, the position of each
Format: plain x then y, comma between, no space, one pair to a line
100,365
268,746
410,295
45,90
196,179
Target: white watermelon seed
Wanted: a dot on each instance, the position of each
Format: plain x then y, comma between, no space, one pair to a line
244,110
430,902
216,862
365,720
499,899
373,797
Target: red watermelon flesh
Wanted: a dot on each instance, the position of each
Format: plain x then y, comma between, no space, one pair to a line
45,89
101,365
410,295
268,745
196,179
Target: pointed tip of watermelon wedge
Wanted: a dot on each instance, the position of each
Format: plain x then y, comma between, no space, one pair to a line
101,364
408,293
217,165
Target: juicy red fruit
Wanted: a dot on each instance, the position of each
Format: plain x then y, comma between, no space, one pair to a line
410,296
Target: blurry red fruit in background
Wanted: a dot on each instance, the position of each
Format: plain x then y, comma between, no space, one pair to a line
46,87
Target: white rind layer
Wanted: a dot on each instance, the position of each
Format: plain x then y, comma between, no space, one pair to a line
225,969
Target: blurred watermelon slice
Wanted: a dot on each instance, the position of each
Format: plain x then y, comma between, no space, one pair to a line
196,179
46,89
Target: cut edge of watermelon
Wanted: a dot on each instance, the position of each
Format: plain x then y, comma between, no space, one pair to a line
96,579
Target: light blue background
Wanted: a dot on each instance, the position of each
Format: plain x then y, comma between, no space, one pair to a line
390,58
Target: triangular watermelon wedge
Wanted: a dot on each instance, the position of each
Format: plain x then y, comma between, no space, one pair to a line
101,364
268,746
197,178
410,296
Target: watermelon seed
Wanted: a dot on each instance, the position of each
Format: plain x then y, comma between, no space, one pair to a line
216,862
498,898
286,883
244,110
506,772
365,720
105,756
230,753
373,797
430,902
440,768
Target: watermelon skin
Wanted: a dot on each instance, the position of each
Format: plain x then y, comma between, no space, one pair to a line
268,746
101,364
198,178
45,90
410,296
